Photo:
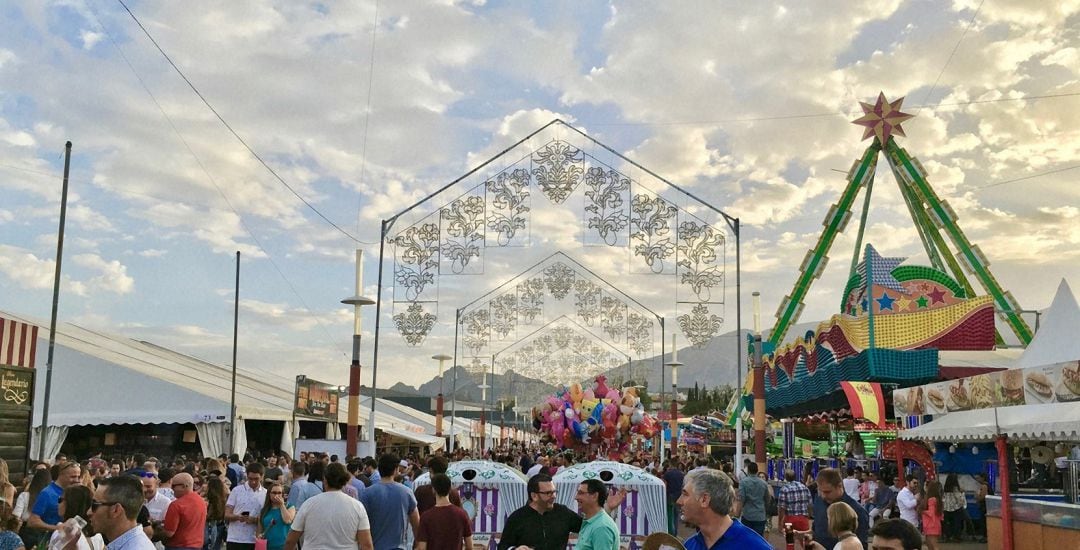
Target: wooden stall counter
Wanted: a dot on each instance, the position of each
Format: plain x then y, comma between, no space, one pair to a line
1037,525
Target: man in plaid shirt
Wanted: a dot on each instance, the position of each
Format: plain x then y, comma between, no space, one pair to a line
793,504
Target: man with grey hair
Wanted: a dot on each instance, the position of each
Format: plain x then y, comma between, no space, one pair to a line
116,504
706,501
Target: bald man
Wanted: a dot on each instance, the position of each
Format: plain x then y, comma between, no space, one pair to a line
185,520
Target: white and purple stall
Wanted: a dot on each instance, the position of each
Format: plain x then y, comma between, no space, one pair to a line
489,491
641,513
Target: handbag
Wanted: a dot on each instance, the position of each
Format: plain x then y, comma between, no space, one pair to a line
260,543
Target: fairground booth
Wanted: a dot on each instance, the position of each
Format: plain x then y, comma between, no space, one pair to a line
489,492
641,513
1020,428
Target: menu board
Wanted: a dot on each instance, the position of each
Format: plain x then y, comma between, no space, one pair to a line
1059,383
315,398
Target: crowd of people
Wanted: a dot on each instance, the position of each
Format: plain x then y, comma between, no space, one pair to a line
272,502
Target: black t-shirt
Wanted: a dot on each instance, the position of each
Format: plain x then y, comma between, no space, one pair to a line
548,531
273,473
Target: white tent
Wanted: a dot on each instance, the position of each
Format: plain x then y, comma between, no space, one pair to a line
644,509
1058,337
104,379
1041,422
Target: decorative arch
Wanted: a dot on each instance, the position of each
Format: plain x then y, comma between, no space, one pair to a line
650,227
900,450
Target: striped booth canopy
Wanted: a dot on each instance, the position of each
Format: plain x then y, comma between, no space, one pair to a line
489,491
641,513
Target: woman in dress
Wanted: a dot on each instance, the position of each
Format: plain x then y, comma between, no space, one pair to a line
9,539
930,513
275,518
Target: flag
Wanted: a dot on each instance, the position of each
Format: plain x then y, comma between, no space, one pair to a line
18,343
866,401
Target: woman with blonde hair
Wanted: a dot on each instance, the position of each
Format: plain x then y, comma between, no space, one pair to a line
843,521
7,490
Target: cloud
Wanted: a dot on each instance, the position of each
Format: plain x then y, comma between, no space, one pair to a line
113,275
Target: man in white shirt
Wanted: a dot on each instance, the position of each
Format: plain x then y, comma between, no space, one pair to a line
242,510
851,484
541,465
907,501
331,520
155,501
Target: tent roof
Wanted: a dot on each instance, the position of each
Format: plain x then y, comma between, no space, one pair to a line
1050,421
419,437
625,474
1058,337
101,378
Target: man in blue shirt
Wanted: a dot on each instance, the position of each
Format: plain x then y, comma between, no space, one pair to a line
301,489
390,506
706,502
46,514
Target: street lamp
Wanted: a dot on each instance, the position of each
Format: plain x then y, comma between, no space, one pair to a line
442,358
674,364
357,301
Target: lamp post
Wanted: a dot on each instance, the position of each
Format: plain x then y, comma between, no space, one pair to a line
357,301
674,364
442,358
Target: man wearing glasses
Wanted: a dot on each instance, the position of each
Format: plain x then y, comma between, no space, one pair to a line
543,524
116,504
185,521
242,510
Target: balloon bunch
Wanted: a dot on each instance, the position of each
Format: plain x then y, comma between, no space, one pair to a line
594,416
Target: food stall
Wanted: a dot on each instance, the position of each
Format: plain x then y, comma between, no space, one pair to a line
1034,517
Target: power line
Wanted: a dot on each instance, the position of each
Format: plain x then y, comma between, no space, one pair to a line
951,54
831,114
1028,177
233,132
367,110
213,182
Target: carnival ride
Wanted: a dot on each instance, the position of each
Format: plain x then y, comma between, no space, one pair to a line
893,318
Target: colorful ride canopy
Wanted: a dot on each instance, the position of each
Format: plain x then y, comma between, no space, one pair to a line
895,320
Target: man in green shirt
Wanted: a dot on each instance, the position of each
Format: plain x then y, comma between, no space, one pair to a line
598,530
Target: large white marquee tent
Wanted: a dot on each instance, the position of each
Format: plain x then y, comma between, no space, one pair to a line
104,379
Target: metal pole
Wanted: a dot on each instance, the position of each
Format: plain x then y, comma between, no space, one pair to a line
352,426
236,326
759,406
738,345
378,322
453,388
55,303
660,409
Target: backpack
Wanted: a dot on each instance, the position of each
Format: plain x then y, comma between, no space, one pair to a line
232,476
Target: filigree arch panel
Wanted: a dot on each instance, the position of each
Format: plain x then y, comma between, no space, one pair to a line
558,177
558,286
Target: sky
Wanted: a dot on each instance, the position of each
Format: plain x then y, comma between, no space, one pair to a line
314,121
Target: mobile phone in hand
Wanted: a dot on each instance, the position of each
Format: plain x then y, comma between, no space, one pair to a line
245,513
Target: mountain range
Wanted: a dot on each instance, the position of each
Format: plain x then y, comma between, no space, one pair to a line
709,366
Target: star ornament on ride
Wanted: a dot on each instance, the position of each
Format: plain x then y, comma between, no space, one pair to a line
882,119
